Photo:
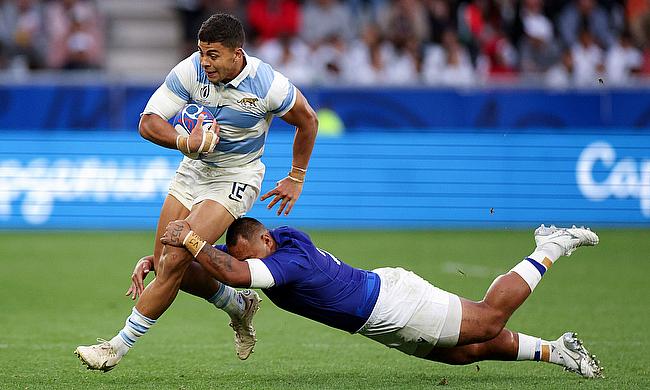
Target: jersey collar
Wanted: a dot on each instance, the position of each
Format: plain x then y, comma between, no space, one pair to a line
243,74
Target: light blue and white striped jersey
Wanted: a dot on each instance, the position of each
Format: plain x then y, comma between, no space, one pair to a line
243,107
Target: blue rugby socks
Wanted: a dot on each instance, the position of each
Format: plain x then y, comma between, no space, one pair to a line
229,300
135,326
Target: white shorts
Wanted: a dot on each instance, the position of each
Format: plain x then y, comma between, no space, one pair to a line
234,188
412,315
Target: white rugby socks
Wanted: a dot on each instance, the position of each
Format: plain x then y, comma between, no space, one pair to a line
135,326
229,300
533,267
534,348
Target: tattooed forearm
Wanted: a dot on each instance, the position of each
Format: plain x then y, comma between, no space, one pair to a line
219,260
224,267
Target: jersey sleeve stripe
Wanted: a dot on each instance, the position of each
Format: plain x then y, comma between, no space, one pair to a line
287,103
245,146
231,117
261,83
174,84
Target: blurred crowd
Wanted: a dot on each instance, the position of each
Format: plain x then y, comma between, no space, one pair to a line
56,34
442,42
374,42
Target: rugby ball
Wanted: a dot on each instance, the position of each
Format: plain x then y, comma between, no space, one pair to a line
186,119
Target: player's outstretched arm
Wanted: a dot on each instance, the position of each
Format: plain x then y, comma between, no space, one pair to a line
220,265
288,190
140,271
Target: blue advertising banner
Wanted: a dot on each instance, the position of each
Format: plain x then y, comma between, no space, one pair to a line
118,106
116,180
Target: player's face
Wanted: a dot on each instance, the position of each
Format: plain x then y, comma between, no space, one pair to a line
257,248
219,62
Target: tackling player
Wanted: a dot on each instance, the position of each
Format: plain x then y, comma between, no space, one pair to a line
244,94
391,305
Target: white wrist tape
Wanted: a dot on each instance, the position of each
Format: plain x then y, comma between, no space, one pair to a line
194,243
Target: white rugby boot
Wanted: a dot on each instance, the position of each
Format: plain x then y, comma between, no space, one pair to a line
243,326
566,238
102,356
576,358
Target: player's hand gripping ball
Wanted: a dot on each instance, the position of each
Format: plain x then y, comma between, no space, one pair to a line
186,119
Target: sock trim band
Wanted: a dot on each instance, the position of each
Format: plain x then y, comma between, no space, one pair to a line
546,353
146,319
537,350
540,267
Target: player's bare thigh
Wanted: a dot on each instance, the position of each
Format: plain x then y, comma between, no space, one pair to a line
172,210
209,219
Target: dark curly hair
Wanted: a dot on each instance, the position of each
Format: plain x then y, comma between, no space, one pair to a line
245,228
223,28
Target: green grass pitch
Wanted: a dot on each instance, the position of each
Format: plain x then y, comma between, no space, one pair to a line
59,290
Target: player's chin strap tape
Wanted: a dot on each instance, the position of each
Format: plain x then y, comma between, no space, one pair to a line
194,243
208,143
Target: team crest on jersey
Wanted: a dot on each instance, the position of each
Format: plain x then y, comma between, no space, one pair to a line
205,91
248,102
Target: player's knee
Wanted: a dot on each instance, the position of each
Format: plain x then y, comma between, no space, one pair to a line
175,258
470,354
493,322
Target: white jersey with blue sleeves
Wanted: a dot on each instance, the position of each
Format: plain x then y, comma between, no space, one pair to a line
243,107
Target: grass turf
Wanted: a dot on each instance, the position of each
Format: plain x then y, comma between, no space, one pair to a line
59,290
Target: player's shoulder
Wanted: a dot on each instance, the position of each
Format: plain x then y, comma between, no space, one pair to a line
190,68
262,78
288,236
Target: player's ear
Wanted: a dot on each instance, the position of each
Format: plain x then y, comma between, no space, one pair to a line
267,239
239,53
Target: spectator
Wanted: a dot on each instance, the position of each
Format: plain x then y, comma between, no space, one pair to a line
366,62
623,60
191,15
76,34
471,24
499,55
638,14
289,56
406,64
22,34
538,51
366,11
448,64
561,75
587,59
233,7
441,17
403,21
270,19
328,60
322,19
579,13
